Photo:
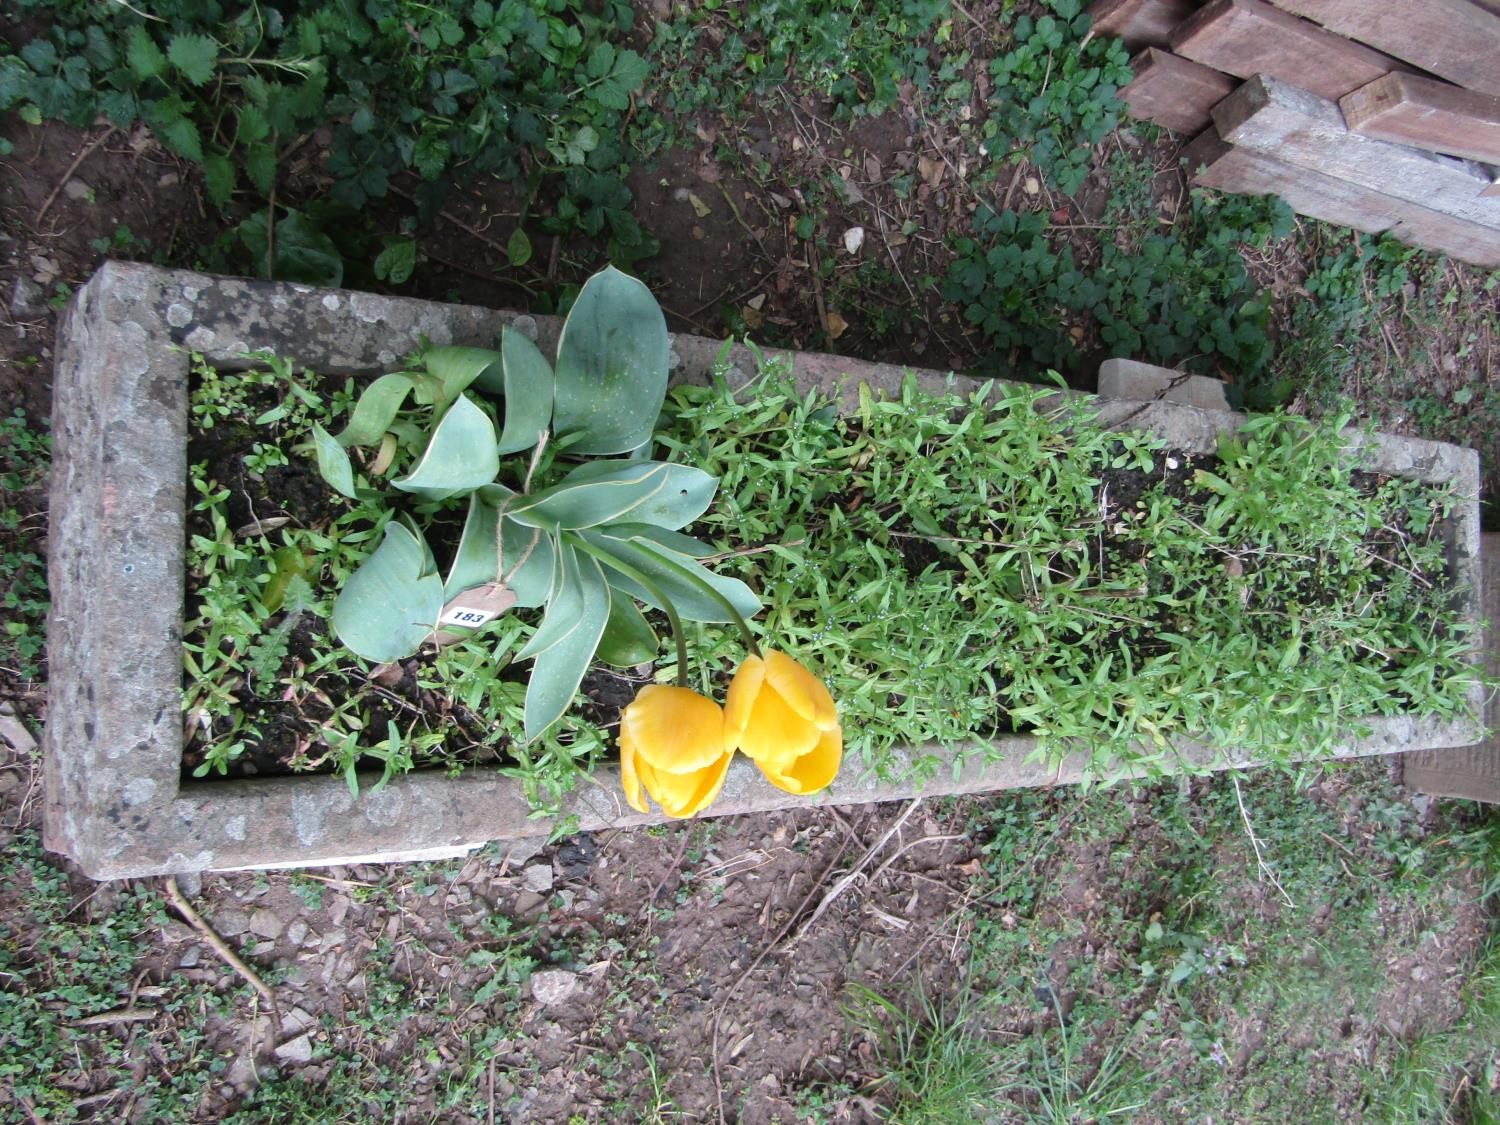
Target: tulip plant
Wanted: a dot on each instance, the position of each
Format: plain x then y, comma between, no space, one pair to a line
584,525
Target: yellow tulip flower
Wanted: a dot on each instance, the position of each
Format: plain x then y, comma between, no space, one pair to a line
782,716
672,744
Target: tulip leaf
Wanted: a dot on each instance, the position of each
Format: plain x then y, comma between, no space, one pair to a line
460,457
684,497
612,362
679,578
528,392
595,493
455,368
333,461
673,541
628,637
564,604
560,669
376,409
390,605
528,556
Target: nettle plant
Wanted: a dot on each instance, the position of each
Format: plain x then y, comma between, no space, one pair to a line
582,524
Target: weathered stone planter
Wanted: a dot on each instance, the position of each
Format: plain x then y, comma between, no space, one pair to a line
114,799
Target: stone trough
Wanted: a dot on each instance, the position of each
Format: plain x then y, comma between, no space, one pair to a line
115,801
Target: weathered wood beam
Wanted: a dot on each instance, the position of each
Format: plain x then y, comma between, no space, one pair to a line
1302,129
1213,162
1408,109
1454,39
1141,23
1246,37
1173,92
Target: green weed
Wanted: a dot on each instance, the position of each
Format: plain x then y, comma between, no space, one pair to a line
1182,297
945,608
1056,93
531,93
940,1067
857,54
60,966
25,453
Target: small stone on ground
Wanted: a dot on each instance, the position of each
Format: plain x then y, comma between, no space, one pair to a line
553,986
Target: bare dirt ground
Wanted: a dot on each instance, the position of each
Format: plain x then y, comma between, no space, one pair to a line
712,971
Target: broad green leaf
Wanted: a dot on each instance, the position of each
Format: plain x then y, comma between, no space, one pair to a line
376,409
260,165
457,367
460,457
611,366
218,178
518,248
302,252
181,136
528,392
628,637
665,569
194,57
564,603
144,56
397,261
595,493
560,669
333,461
251,126
529,556
390,605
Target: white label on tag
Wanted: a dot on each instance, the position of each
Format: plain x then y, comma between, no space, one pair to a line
470,618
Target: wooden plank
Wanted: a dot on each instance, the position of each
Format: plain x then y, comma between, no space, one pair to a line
1173,92
1213,162
1454,39
1247,37
1468,242
1408,109
1278,119
1141,23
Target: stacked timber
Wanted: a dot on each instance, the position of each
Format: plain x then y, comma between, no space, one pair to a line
1381,115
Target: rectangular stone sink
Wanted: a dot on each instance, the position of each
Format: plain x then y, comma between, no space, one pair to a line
114,798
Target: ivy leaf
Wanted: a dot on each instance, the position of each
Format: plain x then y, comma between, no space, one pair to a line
194,57
143,55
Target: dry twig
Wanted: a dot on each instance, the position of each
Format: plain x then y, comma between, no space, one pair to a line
218,944
1260,860
855,872
83,154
